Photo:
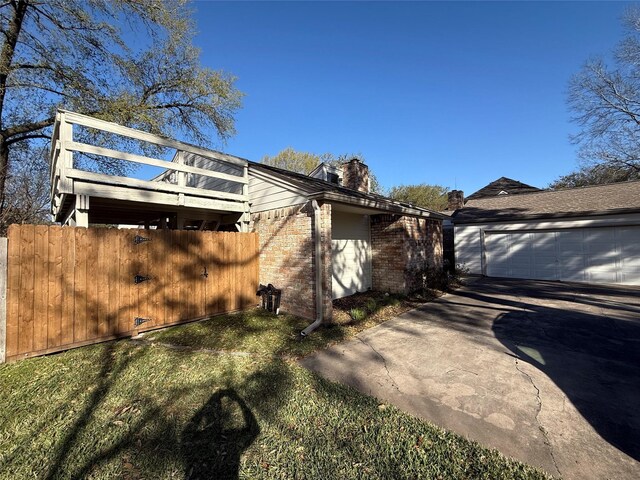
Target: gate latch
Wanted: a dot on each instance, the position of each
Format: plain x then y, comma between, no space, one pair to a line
140,278
139,321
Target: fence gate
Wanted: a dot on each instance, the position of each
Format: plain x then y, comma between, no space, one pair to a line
68,286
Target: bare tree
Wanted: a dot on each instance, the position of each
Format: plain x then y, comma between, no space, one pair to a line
605,102
27,191
595,175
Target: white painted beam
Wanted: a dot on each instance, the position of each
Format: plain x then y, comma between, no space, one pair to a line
91,122
126,182
156,162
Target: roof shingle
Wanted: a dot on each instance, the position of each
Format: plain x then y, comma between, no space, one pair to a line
571,202
503,184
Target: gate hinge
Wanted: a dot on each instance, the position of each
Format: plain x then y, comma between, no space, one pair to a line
140,278
139,321
139,239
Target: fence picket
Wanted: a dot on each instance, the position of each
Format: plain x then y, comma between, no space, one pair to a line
54,300
67,285
25,320
13,289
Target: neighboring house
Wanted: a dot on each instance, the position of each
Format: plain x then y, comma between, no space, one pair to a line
322,236
503,186
587,234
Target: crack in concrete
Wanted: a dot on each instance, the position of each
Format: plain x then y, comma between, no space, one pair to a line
547,441
384,362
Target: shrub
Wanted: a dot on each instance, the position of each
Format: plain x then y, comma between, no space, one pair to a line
371,305
432,278
357,314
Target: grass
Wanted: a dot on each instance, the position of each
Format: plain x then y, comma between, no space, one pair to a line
259,331
139,410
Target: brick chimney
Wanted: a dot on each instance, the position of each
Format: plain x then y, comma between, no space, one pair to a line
355,175
455,199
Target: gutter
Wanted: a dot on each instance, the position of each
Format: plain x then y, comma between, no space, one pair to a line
383,206
318,265
537,216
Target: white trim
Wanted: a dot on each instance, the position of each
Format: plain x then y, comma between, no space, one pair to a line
130,157
118,182
91,122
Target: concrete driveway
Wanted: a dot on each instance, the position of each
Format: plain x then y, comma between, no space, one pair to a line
546,372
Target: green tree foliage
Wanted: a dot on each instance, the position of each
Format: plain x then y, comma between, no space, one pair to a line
305,162
295,161
595,175
126,61
605,101
433,197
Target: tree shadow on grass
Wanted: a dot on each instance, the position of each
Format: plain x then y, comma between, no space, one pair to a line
159,436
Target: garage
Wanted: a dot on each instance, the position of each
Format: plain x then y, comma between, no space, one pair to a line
584,234
591,255
350,253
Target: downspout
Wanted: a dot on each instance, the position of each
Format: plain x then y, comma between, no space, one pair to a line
318,265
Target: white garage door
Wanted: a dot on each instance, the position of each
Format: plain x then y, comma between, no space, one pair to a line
591,255
350,254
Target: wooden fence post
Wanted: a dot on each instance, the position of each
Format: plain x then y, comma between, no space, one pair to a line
3,299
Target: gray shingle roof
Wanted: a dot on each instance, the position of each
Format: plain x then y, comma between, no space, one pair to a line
571,202
316,185
503,184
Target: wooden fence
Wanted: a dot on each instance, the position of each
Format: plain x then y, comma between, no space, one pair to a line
68,286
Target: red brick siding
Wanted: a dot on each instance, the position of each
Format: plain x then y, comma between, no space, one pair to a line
325,235
387,253
355,175
287,256
401,246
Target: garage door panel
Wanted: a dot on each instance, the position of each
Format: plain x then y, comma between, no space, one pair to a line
545,272
601,276
630,276
594,255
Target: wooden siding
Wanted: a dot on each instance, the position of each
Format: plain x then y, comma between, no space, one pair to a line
75,286
268,194
209,183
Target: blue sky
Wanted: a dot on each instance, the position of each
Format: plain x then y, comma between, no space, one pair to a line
450,93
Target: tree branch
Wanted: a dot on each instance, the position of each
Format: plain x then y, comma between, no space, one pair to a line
13,140
9,47
26,128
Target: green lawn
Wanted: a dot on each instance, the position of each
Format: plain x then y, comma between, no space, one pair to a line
259,331
127,410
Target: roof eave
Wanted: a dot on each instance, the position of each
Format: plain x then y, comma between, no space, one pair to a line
376,204
543,216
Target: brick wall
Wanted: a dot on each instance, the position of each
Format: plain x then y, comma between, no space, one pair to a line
287,256
325,235
400,246
387,253
355,175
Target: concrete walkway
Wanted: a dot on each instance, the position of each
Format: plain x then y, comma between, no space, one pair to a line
546,372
